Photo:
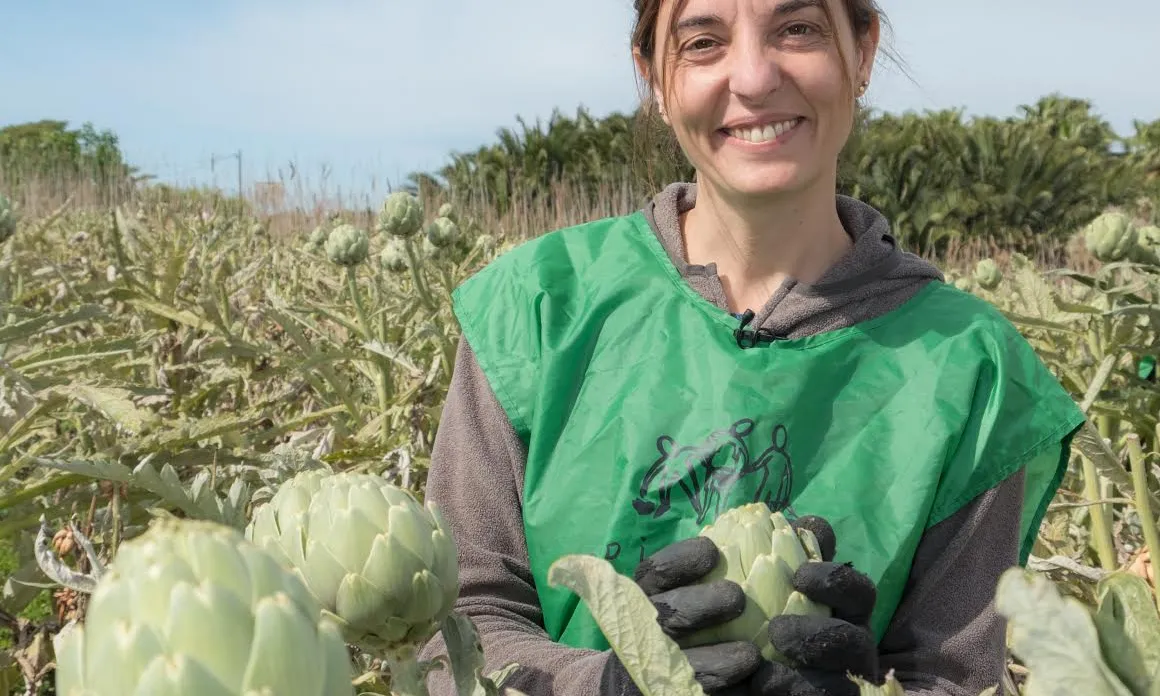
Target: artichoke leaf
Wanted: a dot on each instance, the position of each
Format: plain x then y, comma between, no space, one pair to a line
1129,629
1055,638
629,621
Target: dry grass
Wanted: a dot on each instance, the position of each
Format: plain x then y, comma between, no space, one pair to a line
293,203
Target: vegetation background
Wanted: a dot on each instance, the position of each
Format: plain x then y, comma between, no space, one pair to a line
177,350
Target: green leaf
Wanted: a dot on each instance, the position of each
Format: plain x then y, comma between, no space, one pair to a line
115,404
1055,638
629,621
1129,627
21,331
465,652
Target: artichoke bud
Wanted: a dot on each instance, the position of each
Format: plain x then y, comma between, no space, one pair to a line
1147,245
442,232
401,215
318,235
760,551
1110,237
382,565
347,245
393,257
988,275
1148,236
191,607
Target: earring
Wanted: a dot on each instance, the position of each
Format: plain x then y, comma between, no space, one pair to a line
862,87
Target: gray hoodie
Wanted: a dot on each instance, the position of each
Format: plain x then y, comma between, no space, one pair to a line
945,638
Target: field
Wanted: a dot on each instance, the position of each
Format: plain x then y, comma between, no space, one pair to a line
170,352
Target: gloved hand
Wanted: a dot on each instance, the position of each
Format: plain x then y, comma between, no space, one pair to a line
668,578
823,649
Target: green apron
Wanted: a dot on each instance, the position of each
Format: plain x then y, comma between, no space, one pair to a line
645,419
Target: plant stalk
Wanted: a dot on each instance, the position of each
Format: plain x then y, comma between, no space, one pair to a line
1143,504
369,335
406,676
1101,533
1093,487
420,284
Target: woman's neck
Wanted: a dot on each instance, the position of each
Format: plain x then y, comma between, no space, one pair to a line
758,248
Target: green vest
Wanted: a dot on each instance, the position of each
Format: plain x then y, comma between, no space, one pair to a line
644,419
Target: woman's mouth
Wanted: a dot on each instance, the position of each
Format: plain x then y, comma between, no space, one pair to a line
773,132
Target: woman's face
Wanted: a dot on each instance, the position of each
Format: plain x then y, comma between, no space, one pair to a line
757,92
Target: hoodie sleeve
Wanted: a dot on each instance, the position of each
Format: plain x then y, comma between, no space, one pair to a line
476,479
945,639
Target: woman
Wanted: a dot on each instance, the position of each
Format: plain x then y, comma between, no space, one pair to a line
750,337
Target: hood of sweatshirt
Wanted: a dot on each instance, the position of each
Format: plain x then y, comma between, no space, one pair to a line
871,279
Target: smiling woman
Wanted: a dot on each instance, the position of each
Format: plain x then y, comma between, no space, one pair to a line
747,337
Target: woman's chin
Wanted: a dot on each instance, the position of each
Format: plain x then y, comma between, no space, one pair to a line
764,181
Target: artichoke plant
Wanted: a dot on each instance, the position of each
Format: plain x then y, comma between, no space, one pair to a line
380,563
317,238
190,608
347,245
442,232
1110,237
987,274
401,215
760,551
393,257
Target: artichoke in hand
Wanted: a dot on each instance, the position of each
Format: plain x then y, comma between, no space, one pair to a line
379,563
760,551
190,608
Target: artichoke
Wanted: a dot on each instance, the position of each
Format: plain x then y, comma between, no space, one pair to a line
190,608
1148,236
7,219
988,275
448,211
383,566
347,245
318,236
1110,237
760,551
394,257
1147,248
401,215
442,232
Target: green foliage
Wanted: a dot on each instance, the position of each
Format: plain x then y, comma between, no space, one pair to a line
940,178
47,152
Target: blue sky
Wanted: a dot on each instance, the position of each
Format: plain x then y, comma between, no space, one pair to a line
371,89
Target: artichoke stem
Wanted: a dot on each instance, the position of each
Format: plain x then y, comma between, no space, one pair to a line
1143,503
368,334
406,676
417,275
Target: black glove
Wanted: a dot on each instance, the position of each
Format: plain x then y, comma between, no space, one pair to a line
823,649
668,578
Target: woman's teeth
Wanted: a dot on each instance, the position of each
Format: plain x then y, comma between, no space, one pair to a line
764,134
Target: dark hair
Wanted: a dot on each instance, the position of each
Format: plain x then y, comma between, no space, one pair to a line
861,14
